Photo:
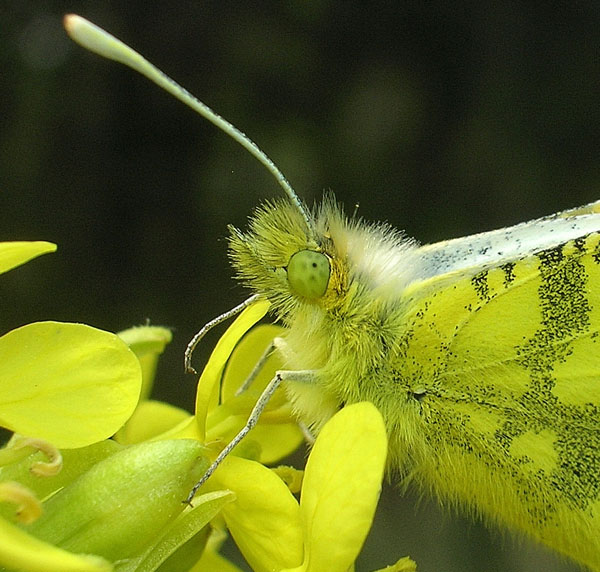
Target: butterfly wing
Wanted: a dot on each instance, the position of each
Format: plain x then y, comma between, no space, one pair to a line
489,249
504,367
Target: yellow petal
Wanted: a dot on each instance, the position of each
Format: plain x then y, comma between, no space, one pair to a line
275,436
150,419
264,520
277,433
211,375
245,355
276,441
14,254
341,487
185,429
69,384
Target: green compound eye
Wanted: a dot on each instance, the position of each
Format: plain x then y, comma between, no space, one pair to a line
308,274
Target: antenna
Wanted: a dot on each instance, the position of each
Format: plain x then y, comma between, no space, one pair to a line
104,44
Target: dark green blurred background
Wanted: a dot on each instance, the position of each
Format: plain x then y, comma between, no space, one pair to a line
441,118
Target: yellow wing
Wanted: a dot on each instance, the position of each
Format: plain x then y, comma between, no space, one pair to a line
504,368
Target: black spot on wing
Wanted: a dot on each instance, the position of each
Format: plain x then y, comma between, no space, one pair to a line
564,307
579,244
596,253
481,286
509,273
578,473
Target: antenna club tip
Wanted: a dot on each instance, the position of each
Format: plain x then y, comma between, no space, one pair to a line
97,40
71,22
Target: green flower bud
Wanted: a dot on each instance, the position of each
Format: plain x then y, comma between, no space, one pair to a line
122,503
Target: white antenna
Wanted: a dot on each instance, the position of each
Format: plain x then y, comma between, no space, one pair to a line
104,44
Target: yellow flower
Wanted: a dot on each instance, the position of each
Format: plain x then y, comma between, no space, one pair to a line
220,413
326,530
341,487
120,500
69,384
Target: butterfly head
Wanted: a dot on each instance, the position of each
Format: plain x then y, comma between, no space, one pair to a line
286,260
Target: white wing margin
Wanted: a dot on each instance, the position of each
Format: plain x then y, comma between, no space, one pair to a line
488,249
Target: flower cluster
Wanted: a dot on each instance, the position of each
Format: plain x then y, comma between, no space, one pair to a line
94,476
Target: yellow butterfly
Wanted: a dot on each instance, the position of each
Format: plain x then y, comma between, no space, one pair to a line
480,352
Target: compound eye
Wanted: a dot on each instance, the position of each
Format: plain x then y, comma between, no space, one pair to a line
308,274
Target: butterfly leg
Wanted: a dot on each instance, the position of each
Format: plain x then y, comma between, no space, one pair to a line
277,343
187,364
259,406
309,436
